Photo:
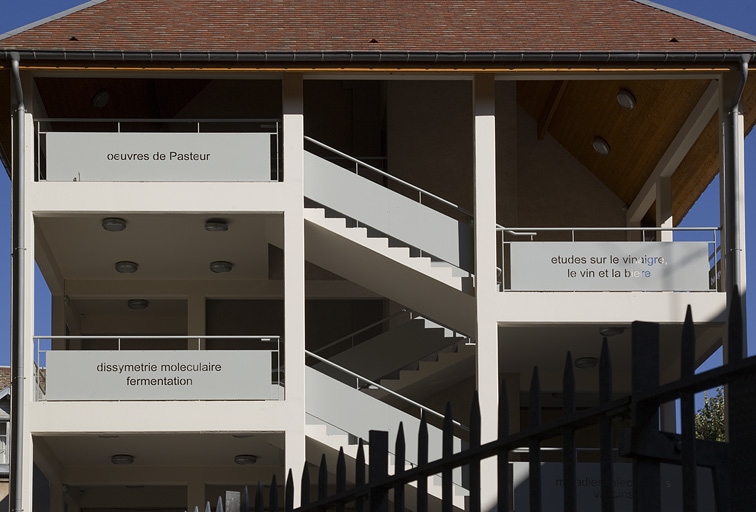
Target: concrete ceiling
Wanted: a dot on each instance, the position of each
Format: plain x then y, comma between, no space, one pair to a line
174,450
166,247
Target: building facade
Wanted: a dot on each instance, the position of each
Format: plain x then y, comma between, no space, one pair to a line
268,228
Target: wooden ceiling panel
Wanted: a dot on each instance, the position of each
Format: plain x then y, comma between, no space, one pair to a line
638,138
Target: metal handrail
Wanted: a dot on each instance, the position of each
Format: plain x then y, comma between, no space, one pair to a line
609,228
149,120
389,176
382,388
363,329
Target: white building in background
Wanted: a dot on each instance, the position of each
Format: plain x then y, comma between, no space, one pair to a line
239,206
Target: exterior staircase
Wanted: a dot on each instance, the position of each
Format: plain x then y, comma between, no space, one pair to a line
388,243
331,426
427,375
400,347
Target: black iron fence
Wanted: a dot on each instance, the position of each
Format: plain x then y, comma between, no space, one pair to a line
732,463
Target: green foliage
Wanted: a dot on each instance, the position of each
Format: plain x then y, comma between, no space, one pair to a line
710,419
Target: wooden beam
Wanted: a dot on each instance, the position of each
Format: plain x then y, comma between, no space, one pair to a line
697,120
552,103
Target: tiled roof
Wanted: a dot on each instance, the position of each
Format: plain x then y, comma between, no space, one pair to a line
392,26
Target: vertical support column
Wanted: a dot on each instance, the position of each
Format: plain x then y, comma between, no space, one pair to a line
664,217
196,321
58,321
195,495
29,383
732,165
294,279
487,354
56,496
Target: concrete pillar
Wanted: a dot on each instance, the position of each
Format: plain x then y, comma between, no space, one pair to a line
487,362
195,323
732,190
294,279
195,495
664,217
56,495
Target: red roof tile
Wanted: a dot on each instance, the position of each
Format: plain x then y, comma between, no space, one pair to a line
396,25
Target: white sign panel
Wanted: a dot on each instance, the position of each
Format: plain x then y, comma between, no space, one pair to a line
609,266
75,156
159,375
589,487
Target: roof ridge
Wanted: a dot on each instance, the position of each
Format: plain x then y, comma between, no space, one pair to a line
50,18
702,21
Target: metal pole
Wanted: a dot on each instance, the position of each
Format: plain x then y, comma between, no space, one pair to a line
17,301
733,177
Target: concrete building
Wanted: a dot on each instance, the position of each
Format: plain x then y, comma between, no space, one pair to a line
257,218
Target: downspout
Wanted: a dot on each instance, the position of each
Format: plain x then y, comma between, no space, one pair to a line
17,301
733,177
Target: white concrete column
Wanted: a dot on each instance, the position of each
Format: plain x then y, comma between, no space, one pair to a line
195,322
29,384
732,190
668,417
195,495
664,217
487,354
294,279
56,495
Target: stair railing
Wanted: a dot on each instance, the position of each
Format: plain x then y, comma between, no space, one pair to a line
360,378
420,192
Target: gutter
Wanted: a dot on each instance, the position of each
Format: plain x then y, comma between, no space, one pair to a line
17,300
376,56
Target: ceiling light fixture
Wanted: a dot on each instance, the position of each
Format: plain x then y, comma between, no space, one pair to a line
611,331
585,362
126,267
245,459
626,99
122,459
113,224
221,267
216,225
601,146
100,99
138,303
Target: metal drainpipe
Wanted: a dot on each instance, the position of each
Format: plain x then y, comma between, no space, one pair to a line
17,318
733,176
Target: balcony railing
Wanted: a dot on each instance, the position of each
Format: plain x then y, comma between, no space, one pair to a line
609,259
121,368
69,149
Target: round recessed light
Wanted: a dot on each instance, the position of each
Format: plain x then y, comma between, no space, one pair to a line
138,303
100,99
122,459
601,146
586,362
126,267
611,331
221,267
113,224
245,459
216,225
626,99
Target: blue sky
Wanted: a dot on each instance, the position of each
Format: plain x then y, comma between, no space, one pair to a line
738,14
